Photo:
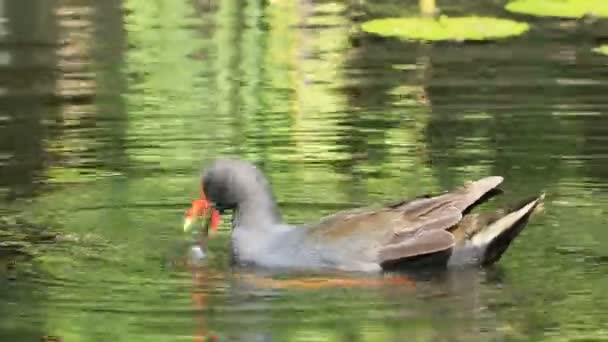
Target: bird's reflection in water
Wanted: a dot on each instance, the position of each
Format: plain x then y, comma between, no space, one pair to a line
199,304
457,292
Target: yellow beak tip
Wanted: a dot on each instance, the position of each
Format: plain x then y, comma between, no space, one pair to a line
187,225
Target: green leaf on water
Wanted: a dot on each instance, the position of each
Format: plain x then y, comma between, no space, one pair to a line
560,8
445,28
603,49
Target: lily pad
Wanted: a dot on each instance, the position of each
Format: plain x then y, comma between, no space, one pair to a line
603,49
560,8
445,28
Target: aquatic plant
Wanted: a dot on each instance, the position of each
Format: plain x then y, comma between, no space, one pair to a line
445,28
560,8
603,49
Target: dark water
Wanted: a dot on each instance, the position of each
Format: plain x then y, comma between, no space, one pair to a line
108,108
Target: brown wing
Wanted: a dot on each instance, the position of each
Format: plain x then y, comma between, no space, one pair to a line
405,229
425,247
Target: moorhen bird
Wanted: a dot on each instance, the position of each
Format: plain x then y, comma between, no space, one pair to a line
430,230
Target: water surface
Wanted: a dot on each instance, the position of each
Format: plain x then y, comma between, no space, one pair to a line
108,109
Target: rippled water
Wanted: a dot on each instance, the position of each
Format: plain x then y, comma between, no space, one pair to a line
108,109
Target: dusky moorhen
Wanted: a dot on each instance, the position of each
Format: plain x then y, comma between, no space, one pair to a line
432,230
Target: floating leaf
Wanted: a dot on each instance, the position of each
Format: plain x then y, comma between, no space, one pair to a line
560,8
603,49
445,28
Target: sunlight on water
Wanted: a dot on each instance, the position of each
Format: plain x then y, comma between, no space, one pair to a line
110,108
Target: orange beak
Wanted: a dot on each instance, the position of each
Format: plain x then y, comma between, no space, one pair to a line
201,208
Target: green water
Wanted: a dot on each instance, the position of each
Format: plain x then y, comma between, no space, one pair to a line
109,108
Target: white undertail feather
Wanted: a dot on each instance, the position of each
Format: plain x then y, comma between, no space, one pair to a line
487,246
487,235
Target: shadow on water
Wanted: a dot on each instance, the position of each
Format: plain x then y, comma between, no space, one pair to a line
28,60
108,108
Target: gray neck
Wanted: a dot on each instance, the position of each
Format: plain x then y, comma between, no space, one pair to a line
257,208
